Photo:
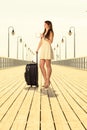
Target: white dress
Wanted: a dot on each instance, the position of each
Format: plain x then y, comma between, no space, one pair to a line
46,51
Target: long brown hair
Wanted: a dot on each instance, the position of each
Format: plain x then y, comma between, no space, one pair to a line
49,23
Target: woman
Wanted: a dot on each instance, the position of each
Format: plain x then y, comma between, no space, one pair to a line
46,53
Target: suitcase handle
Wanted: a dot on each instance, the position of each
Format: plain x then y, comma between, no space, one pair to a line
37,57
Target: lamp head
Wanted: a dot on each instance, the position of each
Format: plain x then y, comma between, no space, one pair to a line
20,39
57,45
62,40
70,32
25,45
13,32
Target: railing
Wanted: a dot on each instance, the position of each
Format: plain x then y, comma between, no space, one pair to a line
9,62
80,62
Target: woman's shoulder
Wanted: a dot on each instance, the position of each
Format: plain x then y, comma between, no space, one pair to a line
51,33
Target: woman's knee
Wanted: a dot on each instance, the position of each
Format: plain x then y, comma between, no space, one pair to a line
40,65
48,64
42,62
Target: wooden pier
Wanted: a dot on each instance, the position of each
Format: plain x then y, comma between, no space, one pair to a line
62,107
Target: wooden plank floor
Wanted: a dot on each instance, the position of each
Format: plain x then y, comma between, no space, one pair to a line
62,107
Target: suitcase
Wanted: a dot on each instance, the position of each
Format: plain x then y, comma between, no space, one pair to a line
31,73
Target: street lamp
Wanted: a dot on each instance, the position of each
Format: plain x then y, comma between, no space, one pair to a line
54,50
57,51
12,32
23,51
70,33
26,49
64,39
28,52
19,39
23,46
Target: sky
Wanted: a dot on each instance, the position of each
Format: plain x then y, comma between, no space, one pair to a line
27,18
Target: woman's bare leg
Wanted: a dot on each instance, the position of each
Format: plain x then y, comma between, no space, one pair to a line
49,71
43,70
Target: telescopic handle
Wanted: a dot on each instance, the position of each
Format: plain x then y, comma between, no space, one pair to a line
37,57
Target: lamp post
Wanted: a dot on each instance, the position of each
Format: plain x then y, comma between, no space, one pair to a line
54,49
70,33
57,51
64,39
26,50
23,46
12,32
18,39
28,53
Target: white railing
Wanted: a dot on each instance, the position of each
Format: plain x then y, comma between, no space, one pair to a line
80,62
9,62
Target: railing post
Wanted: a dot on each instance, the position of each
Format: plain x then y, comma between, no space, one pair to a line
84,62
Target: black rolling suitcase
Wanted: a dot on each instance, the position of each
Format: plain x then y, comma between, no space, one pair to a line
31,73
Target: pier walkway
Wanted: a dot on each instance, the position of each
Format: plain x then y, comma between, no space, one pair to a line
62,107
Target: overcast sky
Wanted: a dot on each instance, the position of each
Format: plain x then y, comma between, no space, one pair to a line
28,16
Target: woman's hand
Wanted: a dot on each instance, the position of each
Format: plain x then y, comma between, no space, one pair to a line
36,51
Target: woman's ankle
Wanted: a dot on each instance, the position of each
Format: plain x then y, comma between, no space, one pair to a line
48,81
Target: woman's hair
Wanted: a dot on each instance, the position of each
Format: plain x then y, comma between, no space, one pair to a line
49,23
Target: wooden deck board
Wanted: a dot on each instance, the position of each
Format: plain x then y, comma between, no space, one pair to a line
62,107
33,121
46,117
77,116
21,118
59,119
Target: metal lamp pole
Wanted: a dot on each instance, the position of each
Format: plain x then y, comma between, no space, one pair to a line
64,39
12,32
57,51
23,45
70,33
18,39
26,50
28,53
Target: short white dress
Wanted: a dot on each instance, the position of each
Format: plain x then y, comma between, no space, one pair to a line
46,51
